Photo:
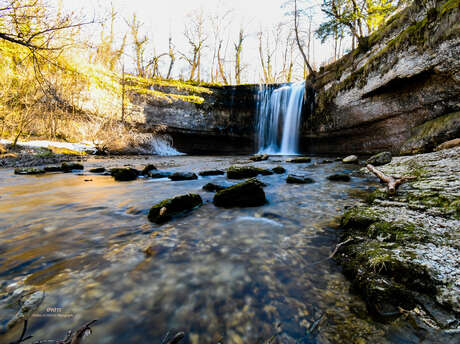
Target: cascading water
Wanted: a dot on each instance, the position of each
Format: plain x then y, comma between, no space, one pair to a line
278,114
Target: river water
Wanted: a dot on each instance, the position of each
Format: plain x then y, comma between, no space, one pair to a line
219,275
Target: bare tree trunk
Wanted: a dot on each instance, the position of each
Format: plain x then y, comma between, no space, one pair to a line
299,44
123,93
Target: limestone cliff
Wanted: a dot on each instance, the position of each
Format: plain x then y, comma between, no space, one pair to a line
377,97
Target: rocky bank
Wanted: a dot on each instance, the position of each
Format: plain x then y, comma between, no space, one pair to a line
404,256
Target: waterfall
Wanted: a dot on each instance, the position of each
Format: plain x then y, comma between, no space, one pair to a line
278,118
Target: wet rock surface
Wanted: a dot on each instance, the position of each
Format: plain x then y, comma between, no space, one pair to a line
299,179
71,166
246,194
211,173
29,171
339,177
259,157
242,172
299,160
279,170
173,207
404,255
124,174
211,187
178,176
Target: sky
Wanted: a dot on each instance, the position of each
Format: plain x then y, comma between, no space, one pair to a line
164,17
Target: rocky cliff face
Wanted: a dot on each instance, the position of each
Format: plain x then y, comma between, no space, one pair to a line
222,122
379,96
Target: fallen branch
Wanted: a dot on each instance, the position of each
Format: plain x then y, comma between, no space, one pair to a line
392,182
338,246
72,337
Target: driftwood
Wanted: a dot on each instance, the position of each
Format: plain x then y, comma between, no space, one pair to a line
392,182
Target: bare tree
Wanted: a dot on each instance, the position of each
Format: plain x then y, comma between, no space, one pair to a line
238,49
139,45
195,34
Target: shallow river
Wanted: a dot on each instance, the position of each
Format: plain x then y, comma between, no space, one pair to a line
219,275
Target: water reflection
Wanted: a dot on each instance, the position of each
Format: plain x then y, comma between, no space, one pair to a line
230,275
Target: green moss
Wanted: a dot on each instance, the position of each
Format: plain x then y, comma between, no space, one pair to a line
359,218
399,231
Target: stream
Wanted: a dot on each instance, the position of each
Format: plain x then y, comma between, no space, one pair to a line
219,275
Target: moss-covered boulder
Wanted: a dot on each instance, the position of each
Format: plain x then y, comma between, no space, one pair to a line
124,174
53,169
241,172
173,207
158,174
71,166
97,170
298,179
148,168
339,177
380,159
279,170
211,187
299,160
211,173
28,171
249,193
183,176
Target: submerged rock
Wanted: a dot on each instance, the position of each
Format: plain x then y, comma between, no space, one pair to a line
299,160
279,170
124,174
183,176
71,166
340,177
211,187
211,173
29,171
173,207
380,159
241,172
148,169
298,179
259,157
97,170
351,159
246,194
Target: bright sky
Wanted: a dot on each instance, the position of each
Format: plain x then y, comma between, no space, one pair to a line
162,17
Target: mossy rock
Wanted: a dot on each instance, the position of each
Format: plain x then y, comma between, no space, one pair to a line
97,170
211,187
279,170
124,174
296,179
398,231
299,160
53,169
28,171
148,168
340,177
359,218
242,172
211,173
71,166
380,159
178,176
173,207
249,193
